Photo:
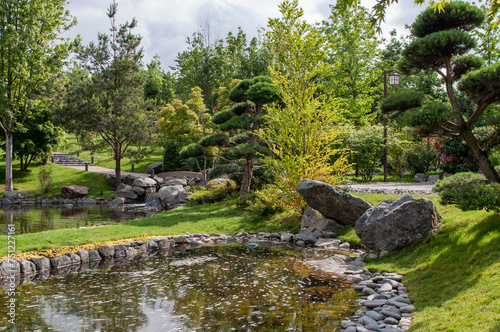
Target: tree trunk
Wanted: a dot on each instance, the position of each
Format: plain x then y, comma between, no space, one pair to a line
481,157
9,138
205,171
247,178
248,168
118,167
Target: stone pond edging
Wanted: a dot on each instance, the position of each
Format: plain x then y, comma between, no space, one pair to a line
53,202
385,304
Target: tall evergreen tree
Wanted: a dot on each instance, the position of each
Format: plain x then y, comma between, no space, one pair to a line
106,98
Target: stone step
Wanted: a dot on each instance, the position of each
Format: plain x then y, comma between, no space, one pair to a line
65,159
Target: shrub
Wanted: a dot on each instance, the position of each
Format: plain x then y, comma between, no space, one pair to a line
45,178
420,158
263,202
214,190
459,158
397,149
469,191
366,147
172,161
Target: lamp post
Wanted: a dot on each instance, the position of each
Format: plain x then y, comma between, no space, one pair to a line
393,80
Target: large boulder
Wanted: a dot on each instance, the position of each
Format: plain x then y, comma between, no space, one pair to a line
14,194
157,167
317,224
331,202
420,178
395,224
74,191
170,195
127,193
175,182
144,182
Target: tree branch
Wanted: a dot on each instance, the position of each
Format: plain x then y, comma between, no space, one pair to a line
483,104
231,161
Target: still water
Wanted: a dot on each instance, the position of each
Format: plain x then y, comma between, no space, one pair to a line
218,288
33,220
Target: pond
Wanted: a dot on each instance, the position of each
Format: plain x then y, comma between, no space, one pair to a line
33,220
215,288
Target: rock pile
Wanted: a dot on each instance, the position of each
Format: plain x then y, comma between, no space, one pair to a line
386,306
170,192
425,178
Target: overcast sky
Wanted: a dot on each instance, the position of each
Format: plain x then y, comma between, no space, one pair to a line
165,24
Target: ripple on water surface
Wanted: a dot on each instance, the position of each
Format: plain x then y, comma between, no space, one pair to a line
220,288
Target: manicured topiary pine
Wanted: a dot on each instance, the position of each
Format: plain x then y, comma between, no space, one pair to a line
240,126
442,40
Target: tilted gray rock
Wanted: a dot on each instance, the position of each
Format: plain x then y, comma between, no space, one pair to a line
317,224
331,202
420,177
74,191
395,224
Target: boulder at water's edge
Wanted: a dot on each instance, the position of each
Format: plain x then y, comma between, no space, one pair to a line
331,202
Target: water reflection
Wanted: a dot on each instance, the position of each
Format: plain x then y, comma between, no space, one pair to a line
208,289
33,220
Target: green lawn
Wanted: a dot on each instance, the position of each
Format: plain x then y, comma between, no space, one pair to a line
453,276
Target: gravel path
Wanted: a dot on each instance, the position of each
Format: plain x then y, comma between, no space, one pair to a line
390,187
103,170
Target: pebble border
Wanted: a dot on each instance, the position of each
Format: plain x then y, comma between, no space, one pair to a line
385,304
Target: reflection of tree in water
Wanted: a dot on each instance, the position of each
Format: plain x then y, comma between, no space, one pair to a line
99,301
236,290
24,222
23,322
9,220
46,219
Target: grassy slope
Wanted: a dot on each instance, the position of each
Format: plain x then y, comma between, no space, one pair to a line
452,276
